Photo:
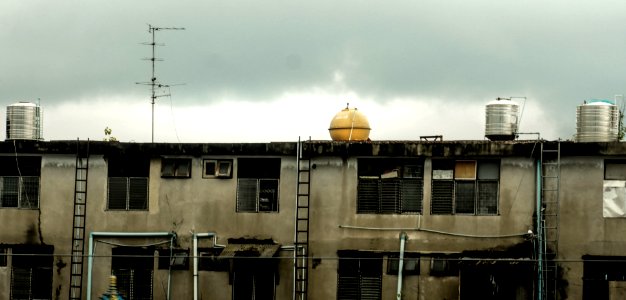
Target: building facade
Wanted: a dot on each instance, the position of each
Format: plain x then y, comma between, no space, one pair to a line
314,219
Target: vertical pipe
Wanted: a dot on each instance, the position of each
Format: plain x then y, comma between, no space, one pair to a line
403,238
89,265
195,266
169,270
540,234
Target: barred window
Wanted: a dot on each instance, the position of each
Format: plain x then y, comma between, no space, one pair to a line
465,187
390,186
258,184
19,181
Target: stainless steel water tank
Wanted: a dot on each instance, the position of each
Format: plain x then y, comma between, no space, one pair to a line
501,119
597,121
24,121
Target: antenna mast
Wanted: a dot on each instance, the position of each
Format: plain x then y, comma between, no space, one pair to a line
154,84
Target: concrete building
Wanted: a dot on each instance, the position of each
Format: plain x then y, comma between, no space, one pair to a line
316,219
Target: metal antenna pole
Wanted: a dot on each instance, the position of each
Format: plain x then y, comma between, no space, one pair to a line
154,84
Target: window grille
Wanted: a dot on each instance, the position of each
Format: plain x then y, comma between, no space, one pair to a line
20,192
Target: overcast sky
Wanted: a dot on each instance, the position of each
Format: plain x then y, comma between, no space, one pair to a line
259,71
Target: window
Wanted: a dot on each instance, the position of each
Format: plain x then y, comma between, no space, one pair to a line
257,184
217,168
410,265
465,187
390,186
253,278
175,167
177,259
444,266
614,195
19,181
359,276
128,183
31,272
133,267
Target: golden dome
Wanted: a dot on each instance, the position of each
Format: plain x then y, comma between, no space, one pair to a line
349,125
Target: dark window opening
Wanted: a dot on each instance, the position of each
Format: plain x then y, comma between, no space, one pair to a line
599,272
133,267
253,277
490,279
209,260
359,276
465,187
390,186
175,168
258,184
31,272
615,169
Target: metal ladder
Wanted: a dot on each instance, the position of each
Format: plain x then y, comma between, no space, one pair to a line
301,238
78,223
550,184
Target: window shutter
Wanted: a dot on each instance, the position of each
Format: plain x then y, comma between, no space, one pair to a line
246,194
138,193
371,287
367,198
411,194
9,191
118,189
390,195
464,196
441,196
20,283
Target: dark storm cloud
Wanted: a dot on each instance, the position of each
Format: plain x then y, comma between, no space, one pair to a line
559,53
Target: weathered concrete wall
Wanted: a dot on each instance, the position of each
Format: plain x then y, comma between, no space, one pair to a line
334,205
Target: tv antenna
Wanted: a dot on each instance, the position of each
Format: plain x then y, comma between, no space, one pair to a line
154,83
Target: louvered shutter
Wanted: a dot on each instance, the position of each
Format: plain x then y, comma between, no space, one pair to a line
441,196
390,195
118,190
411,194
138,193
367,195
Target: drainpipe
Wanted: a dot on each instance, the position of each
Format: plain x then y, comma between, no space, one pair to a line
540,233
197,236
93,235
403,239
